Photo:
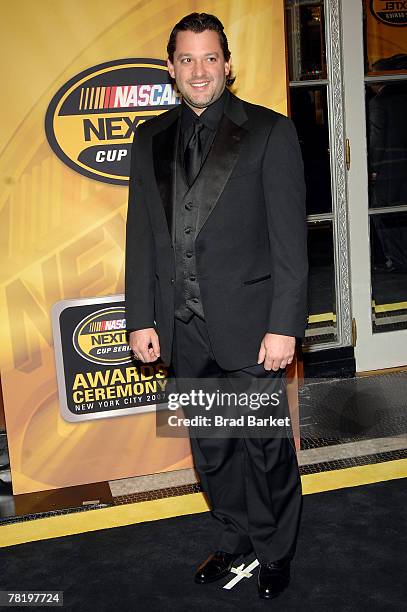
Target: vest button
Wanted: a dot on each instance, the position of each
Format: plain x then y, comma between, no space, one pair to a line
188,205
189,253
192,278
187,230
172,281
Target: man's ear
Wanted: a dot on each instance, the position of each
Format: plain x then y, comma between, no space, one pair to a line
171,70
228,66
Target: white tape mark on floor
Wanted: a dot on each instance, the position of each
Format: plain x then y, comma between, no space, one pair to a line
241,572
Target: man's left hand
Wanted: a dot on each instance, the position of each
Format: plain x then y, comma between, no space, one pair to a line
276,351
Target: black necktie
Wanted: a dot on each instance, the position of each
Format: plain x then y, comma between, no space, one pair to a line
193,153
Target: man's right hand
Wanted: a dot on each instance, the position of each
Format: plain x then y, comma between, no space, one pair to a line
139,341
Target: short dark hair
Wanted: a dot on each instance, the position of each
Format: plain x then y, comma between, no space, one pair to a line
198,23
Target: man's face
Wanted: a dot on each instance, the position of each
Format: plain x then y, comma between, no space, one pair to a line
199,68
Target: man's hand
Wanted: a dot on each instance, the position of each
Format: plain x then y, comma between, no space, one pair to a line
139,341
276,351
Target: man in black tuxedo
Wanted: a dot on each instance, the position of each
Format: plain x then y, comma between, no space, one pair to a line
216,281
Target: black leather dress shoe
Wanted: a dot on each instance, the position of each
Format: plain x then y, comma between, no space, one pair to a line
215,567
273,578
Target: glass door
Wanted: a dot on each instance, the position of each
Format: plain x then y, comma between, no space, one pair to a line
316,106
374,47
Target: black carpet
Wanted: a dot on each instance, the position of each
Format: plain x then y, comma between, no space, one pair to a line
350,557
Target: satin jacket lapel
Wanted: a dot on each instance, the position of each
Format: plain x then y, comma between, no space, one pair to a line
218,166
164,155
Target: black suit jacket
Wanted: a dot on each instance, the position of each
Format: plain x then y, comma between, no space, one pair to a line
251,252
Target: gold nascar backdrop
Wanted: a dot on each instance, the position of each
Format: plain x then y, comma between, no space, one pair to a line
79,77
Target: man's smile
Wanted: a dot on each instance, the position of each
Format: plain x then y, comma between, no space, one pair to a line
200,84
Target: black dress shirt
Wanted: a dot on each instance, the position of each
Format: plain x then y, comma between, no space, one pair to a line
209,118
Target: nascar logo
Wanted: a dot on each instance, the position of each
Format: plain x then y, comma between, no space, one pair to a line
127,96
91,120
101,337
96,326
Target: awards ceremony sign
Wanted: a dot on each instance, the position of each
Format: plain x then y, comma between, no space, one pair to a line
80,76
97,376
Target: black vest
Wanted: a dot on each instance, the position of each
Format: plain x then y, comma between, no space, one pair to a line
187,294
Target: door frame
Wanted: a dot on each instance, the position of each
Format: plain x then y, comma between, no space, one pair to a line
339,215
386,349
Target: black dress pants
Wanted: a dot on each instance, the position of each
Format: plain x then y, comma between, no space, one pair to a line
252,483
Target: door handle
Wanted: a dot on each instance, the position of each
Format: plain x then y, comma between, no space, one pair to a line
347,154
